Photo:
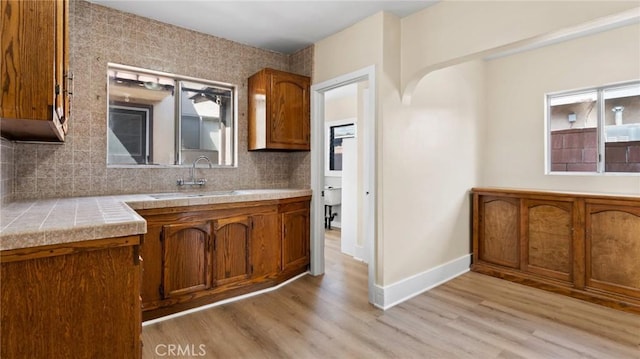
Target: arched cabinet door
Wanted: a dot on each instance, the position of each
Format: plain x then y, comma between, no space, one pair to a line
613,248
185,257
231,249
499,235
547,242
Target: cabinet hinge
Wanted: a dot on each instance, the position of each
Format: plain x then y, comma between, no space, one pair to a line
162,232
161,290
57,89
251,269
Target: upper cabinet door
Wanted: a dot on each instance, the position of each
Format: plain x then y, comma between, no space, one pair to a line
279,111
34,65
289,110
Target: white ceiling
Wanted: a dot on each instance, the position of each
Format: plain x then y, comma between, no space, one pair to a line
282,26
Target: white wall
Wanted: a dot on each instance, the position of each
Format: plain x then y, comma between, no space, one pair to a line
516,87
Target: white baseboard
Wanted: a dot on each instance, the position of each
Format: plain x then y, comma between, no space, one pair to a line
398,292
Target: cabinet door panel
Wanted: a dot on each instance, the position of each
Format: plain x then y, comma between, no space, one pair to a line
549,236
499,231
266,250
28,88
186,258
231,250
289,109
295,238
151,253
613,248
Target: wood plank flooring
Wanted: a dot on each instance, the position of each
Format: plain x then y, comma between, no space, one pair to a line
472,316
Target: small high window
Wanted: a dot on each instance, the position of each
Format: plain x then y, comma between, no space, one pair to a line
594,130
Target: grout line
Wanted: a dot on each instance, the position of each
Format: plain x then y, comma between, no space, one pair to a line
20,215
48,214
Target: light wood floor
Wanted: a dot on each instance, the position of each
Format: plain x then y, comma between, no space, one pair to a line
472,316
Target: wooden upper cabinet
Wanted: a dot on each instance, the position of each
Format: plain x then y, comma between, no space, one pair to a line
186,258
279,111
231,249
34,95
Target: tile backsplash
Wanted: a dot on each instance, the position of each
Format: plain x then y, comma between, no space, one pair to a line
7,170
99,35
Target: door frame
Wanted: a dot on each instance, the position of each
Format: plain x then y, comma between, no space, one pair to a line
369,169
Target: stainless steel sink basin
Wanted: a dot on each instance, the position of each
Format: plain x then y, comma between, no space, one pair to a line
192,195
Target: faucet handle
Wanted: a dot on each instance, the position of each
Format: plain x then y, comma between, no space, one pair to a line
180,182
201,181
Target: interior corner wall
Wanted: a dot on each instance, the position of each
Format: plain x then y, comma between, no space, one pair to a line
515,88
430,164
351,49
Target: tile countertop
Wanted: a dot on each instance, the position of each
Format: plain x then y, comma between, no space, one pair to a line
35,223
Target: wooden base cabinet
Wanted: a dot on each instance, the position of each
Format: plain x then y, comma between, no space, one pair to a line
581,245
201,254
73,300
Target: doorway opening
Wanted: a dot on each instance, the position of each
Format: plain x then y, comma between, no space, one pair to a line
343,169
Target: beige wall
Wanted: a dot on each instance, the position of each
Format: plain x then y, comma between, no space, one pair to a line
516,87
100,35
430,164
445,33
458,131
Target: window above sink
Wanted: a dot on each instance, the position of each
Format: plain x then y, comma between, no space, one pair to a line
156,118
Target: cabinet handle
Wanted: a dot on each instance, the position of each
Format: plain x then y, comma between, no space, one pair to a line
70,83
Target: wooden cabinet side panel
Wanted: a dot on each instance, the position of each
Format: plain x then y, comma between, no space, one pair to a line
81,305
266,251
186,258
28,74
499,231
548,238
613,248
151,253
257,107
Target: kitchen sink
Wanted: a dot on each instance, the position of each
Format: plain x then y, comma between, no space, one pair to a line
192,195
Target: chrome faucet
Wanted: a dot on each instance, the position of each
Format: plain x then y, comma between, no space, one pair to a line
192,173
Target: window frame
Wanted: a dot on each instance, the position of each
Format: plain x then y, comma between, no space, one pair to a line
600,130
177,79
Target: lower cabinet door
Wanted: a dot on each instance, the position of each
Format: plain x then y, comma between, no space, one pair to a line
499,222
547,245
295,238
613,248
266,250
231,260
186,259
